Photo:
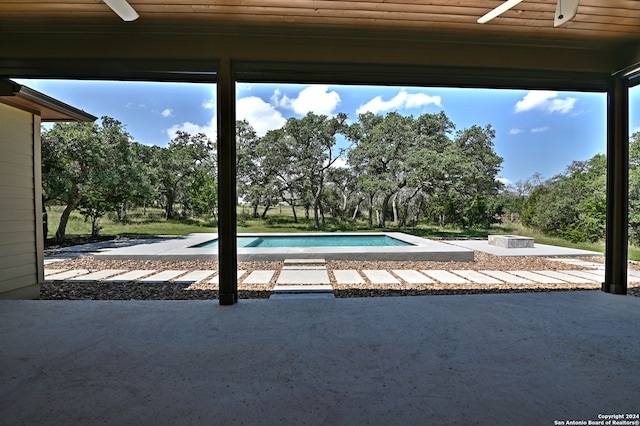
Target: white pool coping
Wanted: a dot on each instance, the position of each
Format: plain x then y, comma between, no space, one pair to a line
182,248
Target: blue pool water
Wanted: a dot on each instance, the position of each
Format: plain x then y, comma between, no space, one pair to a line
313,241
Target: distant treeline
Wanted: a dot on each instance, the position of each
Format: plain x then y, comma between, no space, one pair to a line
386,169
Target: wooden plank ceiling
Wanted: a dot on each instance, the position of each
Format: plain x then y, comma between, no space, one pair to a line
597,20
602,38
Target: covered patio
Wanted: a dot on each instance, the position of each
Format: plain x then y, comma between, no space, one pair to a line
486,359
525,359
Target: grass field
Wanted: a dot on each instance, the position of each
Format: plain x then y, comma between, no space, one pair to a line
278,219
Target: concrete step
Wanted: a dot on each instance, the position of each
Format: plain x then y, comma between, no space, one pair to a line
305,262
304,277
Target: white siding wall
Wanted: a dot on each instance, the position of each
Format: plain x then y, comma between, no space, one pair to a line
21,252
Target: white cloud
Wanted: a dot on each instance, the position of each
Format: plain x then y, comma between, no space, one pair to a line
401,100
260,114
315,98
167,112
545,100
539,129
515,131
209,129
505,181
339,163
211,103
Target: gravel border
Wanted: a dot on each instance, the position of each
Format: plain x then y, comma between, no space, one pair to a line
61,290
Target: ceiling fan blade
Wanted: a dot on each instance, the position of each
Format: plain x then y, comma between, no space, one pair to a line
122,9
565,11
498,11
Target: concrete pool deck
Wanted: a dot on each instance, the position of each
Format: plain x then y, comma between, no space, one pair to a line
537,250
182,248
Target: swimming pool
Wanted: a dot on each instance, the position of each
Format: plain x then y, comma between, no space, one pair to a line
340,240
194,247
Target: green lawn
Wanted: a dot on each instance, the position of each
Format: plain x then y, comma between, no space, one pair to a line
151,223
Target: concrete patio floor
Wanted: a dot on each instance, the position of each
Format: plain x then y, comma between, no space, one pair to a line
525,359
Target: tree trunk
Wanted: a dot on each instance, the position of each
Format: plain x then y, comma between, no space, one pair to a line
169,213
383,211
64,219
356,210
266,210
396,218
94,226
370,210
293,209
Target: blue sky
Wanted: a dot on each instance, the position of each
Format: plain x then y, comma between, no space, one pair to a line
536,131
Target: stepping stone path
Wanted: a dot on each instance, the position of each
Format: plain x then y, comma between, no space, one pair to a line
239,274
65,275
507,277
303,279
194,277
131,275
309,278
413,277
445,277
477,277
96,276
565,277
259,277
539,278
161,277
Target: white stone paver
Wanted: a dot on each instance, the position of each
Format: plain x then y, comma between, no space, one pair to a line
348,276
542,279
259,277
633,276
49,272
303,267
162,276
476,277
578,262
413,277
96,276
307,288
444,277
507,277
216,280
597,276
194,276
380,277
305,276
565,277
67,274
131,275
